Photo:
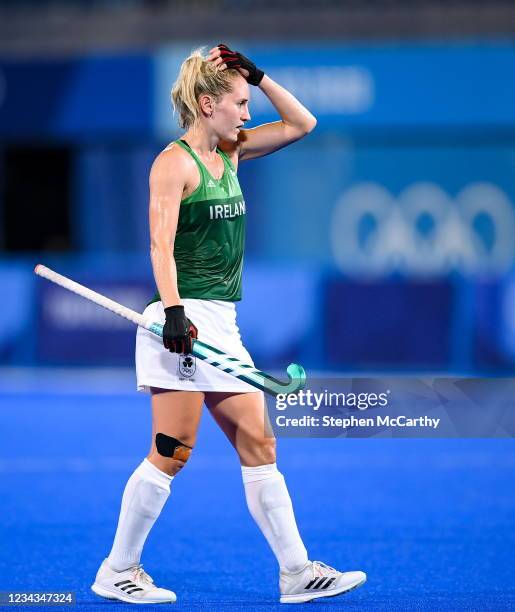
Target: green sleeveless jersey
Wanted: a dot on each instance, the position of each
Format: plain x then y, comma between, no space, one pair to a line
210,237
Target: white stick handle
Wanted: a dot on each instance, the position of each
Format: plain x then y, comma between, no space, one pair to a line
91,295
216,358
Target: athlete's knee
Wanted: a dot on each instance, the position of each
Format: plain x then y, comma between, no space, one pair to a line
170,454
168,466
269,450
260,451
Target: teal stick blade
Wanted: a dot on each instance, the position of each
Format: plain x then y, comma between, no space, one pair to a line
256,378
296,382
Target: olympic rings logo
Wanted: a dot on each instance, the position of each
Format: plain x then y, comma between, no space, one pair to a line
423,231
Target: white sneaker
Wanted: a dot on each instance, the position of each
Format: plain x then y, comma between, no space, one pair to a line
316,579
133,585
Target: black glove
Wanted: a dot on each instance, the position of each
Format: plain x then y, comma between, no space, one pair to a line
178,330
233,59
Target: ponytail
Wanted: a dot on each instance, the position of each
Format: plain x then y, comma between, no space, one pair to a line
198,76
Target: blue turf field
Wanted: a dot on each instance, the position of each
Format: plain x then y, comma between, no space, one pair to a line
432,522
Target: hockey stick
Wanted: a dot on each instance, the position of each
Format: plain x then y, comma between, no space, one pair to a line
213,356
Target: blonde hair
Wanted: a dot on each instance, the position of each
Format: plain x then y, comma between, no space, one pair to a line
197,77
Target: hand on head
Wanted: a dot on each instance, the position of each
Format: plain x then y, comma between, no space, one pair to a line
224,57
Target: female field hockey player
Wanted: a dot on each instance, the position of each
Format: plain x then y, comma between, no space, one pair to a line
197,221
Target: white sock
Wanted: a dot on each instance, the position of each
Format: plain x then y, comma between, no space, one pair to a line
143,499
270,506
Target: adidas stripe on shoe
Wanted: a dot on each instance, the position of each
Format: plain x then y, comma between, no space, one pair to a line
133,585
316,579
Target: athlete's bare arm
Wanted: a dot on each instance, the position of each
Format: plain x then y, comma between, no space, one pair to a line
296,122
168,181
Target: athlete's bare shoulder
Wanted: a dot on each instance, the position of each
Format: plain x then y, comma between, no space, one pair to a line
173,157
174,164
232,149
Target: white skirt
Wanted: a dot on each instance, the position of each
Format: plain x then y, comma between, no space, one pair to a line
216,324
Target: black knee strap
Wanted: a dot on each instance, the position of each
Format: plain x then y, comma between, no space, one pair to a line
172,448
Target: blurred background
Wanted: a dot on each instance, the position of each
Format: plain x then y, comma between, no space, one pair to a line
383,241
